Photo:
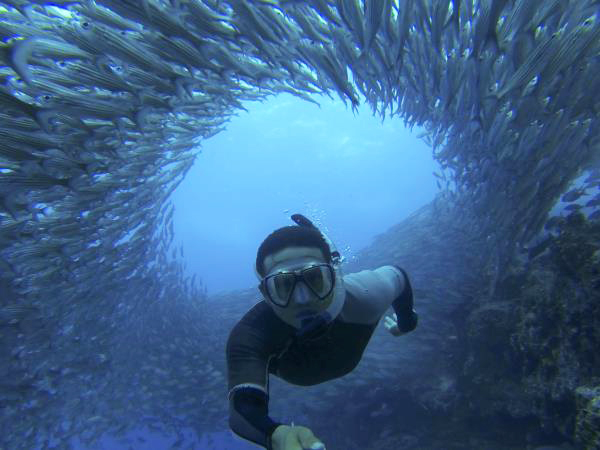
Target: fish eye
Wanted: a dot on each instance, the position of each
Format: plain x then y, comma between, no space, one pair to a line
85,24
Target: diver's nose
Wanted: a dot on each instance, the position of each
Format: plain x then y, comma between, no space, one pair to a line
301,294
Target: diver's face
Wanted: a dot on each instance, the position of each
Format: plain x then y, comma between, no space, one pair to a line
303,302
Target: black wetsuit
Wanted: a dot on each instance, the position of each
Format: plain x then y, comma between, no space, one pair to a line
261,344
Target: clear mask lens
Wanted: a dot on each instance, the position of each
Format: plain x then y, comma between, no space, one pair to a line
319,279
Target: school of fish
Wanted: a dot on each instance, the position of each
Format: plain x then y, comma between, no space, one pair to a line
103,107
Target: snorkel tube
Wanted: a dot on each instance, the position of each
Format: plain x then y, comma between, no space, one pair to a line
305,222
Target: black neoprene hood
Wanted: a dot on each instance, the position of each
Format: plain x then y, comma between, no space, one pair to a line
290,236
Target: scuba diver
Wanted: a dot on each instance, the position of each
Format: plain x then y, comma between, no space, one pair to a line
311,326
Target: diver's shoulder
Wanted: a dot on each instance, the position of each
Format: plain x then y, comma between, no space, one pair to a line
358,307
259,319
259,310
369,293
365,281
261,316
361,282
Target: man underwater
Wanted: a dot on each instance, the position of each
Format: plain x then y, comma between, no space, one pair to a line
312,326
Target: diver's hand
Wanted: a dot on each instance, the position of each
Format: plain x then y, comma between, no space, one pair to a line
287,437
391,324
407,324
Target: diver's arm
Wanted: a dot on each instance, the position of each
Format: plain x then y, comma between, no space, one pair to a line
403,304
251,344
248,415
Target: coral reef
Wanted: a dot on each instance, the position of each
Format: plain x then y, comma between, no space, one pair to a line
587,427
531,347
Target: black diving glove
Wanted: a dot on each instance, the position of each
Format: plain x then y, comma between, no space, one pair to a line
407,321
406,316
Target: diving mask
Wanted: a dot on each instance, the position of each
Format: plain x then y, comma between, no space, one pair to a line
284,285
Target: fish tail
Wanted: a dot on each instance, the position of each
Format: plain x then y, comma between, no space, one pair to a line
19,58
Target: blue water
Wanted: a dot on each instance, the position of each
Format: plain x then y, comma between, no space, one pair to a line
147,439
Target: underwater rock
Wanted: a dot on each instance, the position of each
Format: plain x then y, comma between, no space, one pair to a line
535,341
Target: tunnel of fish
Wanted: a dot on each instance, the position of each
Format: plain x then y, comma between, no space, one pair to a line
103,107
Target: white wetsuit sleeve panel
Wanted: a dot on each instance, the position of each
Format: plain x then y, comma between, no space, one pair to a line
373,292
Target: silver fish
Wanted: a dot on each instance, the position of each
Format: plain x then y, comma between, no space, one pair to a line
373,15
532,66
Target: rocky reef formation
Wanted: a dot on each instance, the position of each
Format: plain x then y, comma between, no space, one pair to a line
531,352
587,425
